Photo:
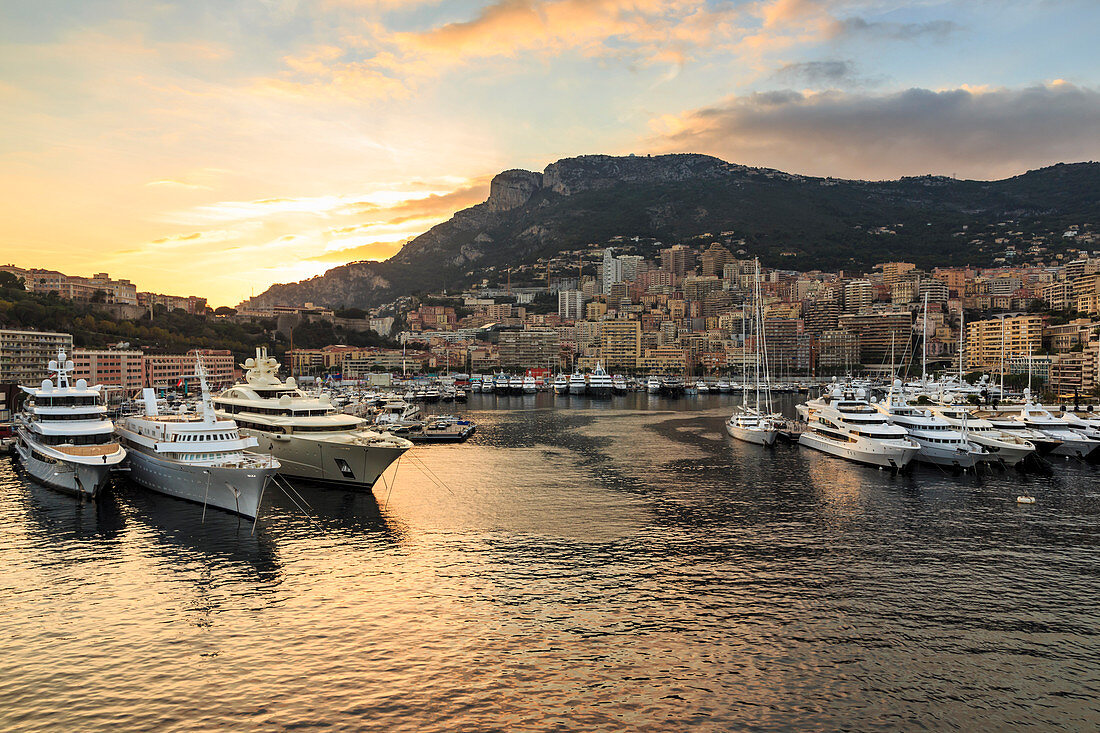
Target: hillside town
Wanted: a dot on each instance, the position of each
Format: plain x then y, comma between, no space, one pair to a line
682,311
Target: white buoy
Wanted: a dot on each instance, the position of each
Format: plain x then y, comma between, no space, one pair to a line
1025,499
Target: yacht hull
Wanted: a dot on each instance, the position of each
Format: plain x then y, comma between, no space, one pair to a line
78,479
885,456
754,435
1001,451
949,457
347,464
1072,447
235,490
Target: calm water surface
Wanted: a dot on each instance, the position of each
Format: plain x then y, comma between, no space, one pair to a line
616,566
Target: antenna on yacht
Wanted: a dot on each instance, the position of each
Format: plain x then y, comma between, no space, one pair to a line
207,403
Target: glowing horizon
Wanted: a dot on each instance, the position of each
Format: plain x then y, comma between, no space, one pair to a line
214,149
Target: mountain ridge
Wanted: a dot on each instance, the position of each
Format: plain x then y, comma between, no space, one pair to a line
790,220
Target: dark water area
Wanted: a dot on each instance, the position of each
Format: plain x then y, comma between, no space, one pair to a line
576,566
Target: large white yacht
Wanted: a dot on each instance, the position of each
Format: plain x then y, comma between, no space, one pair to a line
653,385
64,439
1071,442
577,384
600,383
200,458
530,386
843,424
311,439
1001,446
940,443
561,384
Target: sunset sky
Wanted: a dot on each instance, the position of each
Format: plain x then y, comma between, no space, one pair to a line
211,147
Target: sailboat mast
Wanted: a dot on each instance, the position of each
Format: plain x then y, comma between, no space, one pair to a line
924,345
962,340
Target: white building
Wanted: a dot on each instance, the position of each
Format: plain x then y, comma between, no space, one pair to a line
571,305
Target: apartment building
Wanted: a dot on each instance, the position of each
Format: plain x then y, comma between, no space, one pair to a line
532,349
24,355
167,371
988,341
122,368
620,345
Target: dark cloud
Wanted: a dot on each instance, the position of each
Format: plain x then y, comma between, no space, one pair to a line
937,30
821,74
987,134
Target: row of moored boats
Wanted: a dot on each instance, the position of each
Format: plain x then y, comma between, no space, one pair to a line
892,432
223,455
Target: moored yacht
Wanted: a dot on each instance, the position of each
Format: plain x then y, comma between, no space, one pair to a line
618,384
306,434
64,439
515,384
843,424
600,383
530,386
1001,447
561,384
501,384
652,385
1073,442
756,423
577,384
750,426
940,443
200,458
723,386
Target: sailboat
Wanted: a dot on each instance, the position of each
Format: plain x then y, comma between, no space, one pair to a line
749,423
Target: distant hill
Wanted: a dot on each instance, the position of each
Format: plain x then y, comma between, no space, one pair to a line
790,221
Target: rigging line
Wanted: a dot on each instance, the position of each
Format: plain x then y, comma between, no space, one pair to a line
431,474
290,496
296,492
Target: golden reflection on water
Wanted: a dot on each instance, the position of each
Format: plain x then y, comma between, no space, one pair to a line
606,568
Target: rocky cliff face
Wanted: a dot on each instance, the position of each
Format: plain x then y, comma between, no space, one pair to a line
789,220
350,284
511,189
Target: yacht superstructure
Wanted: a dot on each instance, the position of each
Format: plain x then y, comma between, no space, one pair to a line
200,458
940,442
306,434
599,382
64,439
1000,446
844,424
1073,443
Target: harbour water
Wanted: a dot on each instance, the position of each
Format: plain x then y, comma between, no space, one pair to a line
614,566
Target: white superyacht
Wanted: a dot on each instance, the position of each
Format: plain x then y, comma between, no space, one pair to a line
64,438
600,383
1001,446
843,423
940,443
199,458
311,439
